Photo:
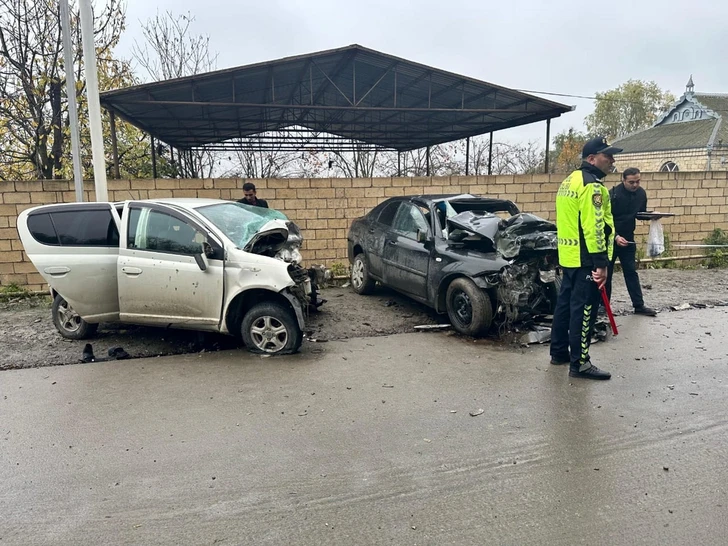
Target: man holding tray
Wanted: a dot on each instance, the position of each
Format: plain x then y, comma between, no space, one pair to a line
628,200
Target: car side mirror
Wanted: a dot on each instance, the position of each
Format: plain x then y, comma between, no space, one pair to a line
207,249
421,236
201,261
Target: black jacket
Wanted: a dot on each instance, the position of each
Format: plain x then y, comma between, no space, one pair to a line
625,206
258,202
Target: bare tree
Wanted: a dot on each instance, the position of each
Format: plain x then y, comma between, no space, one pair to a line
250,163
171,50
33,111
361,162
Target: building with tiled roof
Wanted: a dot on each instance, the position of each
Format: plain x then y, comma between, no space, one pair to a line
691,136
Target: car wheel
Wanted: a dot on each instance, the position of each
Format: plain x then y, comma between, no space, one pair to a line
360,279
468,307
271,328
69,323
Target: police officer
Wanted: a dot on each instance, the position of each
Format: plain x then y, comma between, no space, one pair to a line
585,239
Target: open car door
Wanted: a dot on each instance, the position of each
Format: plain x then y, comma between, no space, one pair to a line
75,248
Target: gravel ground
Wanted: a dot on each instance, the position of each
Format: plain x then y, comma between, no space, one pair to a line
29,339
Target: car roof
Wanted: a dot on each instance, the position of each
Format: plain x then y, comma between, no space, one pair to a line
432,198
185,202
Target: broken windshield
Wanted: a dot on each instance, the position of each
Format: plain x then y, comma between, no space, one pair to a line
239,222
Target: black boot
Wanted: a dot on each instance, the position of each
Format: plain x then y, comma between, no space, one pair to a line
644,310
589,371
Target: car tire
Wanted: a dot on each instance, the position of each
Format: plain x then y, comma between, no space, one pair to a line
468,307
269,327
68,323
361,282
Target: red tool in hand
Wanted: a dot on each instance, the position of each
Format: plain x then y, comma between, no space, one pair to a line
608,307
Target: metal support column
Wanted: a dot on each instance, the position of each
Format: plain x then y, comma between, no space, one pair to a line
399,163
490,154
71,92
548,141
154,158
467,156
428,161
114,145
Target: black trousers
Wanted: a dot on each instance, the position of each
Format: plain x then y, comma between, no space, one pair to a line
574,318
627,258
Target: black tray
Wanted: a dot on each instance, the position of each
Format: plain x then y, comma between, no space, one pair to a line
653,215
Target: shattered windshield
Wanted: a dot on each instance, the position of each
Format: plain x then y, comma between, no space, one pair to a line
239,222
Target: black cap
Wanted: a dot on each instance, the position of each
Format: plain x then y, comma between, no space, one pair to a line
598,145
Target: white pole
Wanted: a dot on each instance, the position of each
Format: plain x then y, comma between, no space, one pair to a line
71,92
94,106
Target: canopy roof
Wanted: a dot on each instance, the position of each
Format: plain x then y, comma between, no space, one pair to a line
327,99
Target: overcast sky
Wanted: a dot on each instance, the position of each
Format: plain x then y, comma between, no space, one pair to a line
560,46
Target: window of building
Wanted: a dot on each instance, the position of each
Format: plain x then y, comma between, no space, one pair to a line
669,167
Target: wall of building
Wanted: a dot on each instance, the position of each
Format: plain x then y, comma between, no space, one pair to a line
693,160
324,208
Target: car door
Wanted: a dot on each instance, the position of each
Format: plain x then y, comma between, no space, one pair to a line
75,248
160,281
378,226
405,259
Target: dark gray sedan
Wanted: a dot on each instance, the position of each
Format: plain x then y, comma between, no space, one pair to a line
480,260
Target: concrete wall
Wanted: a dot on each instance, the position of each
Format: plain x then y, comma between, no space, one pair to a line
324,207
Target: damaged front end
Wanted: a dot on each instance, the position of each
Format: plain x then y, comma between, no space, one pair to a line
282,240
529,283
527,286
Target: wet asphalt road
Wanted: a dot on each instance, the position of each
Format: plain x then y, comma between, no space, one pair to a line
371,441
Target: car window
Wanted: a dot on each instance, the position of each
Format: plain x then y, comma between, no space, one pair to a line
160,232
86,228
386,217
409,219
75,228
42,230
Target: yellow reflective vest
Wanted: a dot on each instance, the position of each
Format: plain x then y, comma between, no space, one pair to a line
584,222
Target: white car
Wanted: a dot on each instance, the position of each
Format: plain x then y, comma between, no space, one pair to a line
201,264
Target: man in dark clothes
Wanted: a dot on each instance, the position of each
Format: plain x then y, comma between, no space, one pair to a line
251,197
628,198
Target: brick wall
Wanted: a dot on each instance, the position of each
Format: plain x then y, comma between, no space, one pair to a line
324,207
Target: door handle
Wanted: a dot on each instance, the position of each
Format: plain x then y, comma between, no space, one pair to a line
131,271
57,271
392,243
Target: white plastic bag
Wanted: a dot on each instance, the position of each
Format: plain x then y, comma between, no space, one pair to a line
655,239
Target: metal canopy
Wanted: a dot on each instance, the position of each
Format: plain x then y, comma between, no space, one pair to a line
331,100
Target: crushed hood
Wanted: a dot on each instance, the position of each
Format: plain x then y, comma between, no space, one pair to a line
484,224
510,236
269,238
523,232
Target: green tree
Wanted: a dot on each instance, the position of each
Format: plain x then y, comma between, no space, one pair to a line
566,153
632,106
34,123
